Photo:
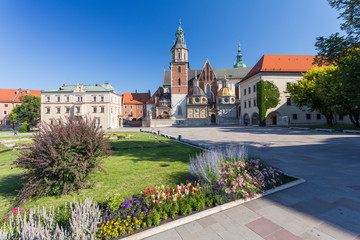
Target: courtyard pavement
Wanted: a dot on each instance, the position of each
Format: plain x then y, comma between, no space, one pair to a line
326,206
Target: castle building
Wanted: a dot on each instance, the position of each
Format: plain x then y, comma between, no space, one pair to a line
190,96
99,102
134,105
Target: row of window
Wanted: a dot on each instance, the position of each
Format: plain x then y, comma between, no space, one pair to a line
249,89
77,109
5,122
318,117
78,99
249,103
131,112
138,106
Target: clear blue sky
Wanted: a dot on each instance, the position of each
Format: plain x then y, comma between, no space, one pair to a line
44,43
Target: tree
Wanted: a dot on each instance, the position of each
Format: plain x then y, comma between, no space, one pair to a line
348,76
268,96
28,111
334,47
318,90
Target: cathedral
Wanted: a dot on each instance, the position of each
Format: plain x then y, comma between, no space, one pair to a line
197,97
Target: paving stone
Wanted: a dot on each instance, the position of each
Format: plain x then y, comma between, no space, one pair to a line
207,221
241,214
282,234
314,207
315,234
241,232
188,229
263,227
335,232
203,234
167,235
258,204
348,203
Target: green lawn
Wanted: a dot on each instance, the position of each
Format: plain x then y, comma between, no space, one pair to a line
128,171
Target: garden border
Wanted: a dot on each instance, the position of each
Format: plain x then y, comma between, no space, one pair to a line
205,213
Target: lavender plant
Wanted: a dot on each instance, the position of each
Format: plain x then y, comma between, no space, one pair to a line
62,158
41,223
206,165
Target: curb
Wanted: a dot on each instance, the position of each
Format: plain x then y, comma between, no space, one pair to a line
205,213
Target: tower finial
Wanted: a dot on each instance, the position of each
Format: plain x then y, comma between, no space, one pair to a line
239,49
180,22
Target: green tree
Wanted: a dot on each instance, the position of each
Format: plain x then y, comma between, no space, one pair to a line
348,76
318,90
268,96
331,49
28,111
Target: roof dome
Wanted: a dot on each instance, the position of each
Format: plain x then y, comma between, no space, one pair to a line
225,92
196,91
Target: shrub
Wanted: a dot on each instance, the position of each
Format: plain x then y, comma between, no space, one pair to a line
62,158
39,223
206,165
133,119
23,128
248,178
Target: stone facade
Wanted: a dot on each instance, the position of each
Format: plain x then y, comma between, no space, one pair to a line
80,101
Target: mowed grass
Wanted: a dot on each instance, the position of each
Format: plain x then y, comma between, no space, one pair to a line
128,171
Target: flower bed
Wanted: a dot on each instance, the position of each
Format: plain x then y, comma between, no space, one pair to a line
221,176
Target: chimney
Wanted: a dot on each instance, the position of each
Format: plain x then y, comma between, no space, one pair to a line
135,90
98,85
27,91
64,85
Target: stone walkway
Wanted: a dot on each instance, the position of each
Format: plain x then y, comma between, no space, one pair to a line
326,206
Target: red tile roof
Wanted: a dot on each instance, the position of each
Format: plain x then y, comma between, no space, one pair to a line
13,95
135,98
282,63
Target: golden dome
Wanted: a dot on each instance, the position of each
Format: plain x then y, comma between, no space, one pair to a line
225,92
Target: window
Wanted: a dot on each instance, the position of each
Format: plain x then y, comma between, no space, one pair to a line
138,106
141,111
249,90
288,101
125,106
130,106
79,98
179,69
125,112
254,88
179,81
58,98
245,91
131,113
143,106
1,122
98,120
185,56
47,110
308,116
5,112
67,109
77,109
67,98
294,116
101,98
94,98
7,122
208,91
102,109
249,104
318,116
57,109
341,117
179,55
244,104
94,109
6,105
48,98
254,102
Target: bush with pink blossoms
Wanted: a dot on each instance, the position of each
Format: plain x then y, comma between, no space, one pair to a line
248,178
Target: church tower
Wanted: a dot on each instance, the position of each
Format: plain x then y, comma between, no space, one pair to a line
179,67
239,61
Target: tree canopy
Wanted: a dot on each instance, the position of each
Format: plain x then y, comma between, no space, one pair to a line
28,111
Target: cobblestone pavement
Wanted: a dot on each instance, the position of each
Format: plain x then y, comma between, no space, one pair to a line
326,206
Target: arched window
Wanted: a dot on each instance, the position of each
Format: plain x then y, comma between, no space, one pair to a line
184,56
179,111
208,91
179,81
179,55
179,69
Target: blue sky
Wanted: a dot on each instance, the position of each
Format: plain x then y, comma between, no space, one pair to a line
44,44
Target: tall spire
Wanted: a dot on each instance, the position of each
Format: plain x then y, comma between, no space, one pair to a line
239,62
180,40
